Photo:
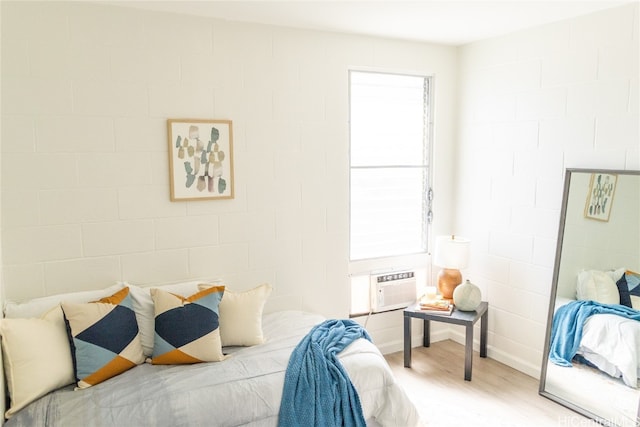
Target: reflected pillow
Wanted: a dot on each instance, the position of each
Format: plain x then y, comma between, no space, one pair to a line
187,328
597,286
104,338
629,289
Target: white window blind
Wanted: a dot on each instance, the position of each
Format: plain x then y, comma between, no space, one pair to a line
389,129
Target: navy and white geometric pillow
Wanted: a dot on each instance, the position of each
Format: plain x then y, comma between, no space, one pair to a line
187,329
104,338
628,285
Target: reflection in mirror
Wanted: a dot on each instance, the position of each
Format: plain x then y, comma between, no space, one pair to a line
592,349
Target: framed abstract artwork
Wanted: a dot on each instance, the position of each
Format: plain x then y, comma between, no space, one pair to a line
602,187
200,159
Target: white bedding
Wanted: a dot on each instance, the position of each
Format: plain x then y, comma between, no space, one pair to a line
245,389
612,343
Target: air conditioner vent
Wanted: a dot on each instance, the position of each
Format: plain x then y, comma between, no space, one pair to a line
392,290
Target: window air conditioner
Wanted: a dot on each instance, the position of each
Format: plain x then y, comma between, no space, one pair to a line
392,290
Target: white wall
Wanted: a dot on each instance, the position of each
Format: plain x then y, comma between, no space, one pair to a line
86,91
532,104
2,382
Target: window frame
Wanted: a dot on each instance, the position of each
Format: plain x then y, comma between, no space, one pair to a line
427,166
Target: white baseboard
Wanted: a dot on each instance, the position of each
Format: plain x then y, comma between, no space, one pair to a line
416,341
515,362
499,355
456,336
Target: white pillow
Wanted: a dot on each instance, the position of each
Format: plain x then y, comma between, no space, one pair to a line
144,309
597,286
38,306
241,315
616,274
635,302
37,357
145,316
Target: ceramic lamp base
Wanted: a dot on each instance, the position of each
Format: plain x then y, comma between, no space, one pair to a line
448,279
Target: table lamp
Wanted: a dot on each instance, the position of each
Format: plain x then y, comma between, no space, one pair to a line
452,254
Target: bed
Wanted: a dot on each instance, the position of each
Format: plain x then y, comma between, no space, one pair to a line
610,339
244,388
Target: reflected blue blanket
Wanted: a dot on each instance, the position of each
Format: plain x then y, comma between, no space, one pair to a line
317,389
568,322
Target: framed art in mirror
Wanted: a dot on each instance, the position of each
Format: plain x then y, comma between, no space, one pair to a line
200,159
602,188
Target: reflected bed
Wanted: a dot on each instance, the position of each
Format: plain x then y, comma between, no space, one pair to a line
609,342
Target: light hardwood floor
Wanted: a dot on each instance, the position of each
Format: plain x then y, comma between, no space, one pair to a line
497,395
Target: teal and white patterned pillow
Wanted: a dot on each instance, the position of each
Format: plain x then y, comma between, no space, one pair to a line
104,338
187,328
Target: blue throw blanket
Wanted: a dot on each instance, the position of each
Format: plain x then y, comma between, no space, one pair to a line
568,322
317,389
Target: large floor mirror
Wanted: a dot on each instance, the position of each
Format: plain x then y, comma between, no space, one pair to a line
598,247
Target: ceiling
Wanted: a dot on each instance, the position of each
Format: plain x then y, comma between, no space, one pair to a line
453,22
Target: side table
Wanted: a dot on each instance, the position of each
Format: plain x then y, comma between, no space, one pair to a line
466,318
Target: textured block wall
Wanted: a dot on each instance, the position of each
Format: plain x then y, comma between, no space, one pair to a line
86,91
564,95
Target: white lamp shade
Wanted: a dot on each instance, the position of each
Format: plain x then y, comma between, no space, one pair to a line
451,252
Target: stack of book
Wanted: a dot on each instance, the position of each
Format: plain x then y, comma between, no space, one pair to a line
438,306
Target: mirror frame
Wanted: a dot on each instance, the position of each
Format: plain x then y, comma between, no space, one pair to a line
554,289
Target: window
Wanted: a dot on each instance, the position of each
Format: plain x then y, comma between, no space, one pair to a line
389,170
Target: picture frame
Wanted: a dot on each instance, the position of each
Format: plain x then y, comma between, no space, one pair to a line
200,159
602,188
